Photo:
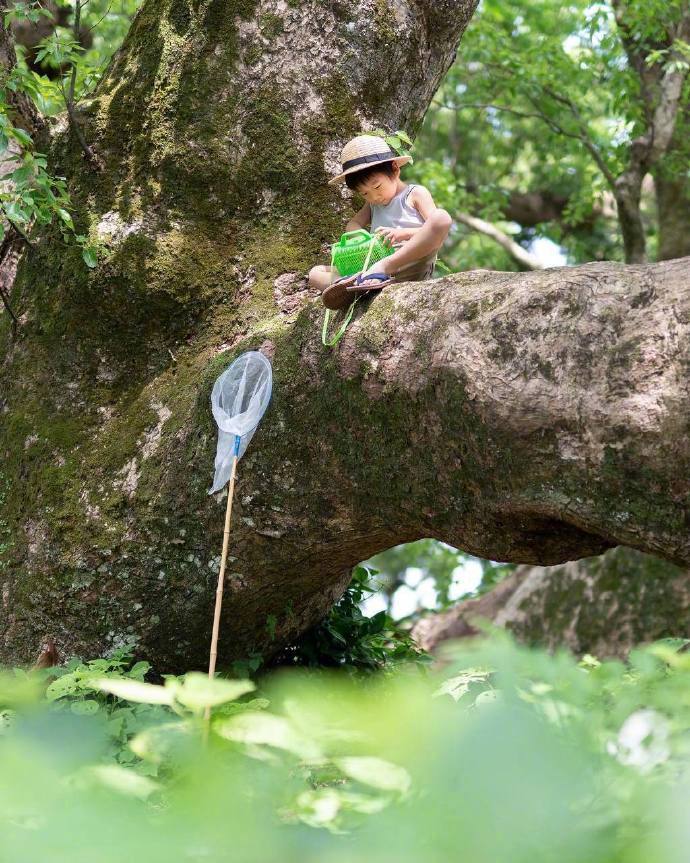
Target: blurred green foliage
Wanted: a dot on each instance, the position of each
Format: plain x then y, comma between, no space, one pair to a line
507,755
54,57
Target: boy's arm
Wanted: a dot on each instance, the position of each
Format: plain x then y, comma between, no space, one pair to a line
362,219
420,198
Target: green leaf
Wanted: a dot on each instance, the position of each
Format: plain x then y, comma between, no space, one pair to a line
15,213
269,730
85,708
196,691
21,175
21,136
156,743
134,690
376,772
460,684
68,684
140,669
90,257
120,779
66,218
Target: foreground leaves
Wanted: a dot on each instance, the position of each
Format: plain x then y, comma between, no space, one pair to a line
513,755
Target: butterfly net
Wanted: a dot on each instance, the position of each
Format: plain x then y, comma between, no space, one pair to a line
239,398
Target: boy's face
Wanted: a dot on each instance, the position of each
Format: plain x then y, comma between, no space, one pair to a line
378,188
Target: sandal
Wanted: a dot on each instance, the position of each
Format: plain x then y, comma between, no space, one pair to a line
383,279
335,296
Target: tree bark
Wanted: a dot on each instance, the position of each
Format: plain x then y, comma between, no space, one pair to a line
673,194
218,125
600,605
673,203
531,417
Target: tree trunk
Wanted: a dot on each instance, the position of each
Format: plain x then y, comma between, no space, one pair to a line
218,125
673,194
673,203
22,110
662,91
600,605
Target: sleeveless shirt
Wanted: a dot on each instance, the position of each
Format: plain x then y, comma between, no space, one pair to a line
397,213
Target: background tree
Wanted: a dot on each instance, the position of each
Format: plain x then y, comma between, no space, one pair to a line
552,120
604,606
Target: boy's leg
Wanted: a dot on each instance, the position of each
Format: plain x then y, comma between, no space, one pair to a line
428,239
321,276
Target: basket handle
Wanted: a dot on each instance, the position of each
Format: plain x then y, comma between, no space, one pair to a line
353,236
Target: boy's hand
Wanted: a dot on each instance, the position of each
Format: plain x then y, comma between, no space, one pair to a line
392,236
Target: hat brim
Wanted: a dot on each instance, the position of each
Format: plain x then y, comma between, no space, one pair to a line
399,160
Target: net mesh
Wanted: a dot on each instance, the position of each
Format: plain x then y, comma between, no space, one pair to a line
239,399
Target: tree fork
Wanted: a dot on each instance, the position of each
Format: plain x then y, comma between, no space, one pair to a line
529,417
218,125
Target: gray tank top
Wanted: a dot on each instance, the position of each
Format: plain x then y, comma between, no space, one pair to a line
398,213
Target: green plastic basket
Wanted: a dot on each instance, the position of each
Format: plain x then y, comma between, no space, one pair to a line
354,249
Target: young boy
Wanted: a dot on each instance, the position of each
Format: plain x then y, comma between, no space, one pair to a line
405,216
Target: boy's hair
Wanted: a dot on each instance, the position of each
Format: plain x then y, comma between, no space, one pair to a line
357,177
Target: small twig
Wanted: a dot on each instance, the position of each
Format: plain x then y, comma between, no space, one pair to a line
8,307
582,136
75,32
101,18
20,232
71,113
485,105
89,153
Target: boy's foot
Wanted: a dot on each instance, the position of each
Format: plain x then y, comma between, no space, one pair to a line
370,282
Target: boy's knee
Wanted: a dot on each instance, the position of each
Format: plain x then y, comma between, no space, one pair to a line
442,221
314,273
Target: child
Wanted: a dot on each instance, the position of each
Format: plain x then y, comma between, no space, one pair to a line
405,216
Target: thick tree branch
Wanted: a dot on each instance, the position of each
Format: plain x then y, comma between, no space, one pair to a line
603,605
515,250
212,121
525,416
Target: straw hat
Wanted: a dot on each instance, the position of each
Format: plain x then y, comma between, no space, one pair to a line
364,151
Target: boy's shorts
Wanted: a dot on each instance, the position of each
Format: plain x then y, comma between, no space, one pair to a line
417,271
